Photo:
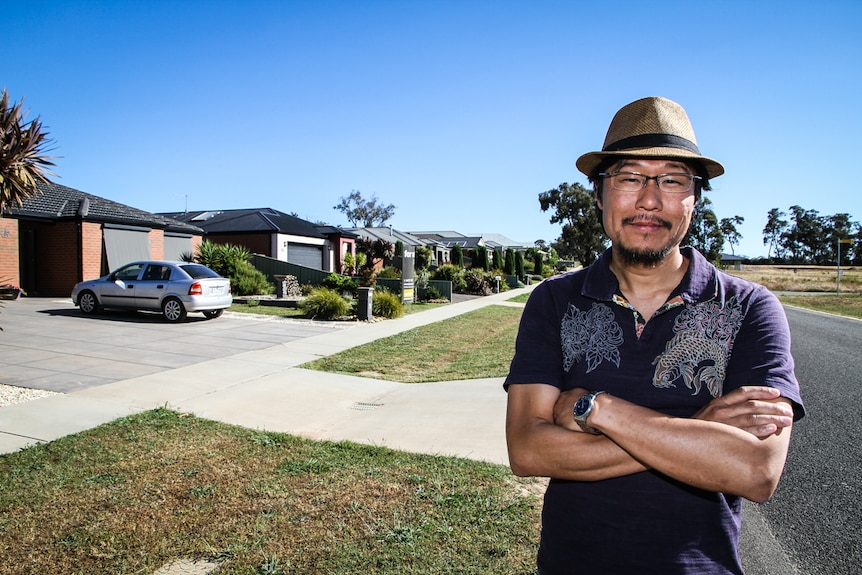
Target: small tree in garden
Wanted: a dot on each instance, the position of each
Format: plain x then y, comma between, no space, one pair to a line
519,264
538,262
497,259
457,256
424,256
481,258
375,251
509,264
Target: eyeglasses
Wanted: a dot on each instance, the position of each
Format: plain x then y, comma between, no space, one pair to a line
677,183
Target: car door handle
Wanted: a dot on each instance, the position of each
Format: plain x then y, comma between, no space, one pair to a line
160,286
130,286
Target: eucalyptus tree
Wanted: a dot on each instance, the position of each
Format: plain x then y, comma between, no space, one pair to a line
729,231
582,237
775,227
364,213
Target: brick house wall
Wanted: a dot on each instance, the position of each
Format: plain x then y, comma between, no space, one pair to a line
93,262
9,270
157,244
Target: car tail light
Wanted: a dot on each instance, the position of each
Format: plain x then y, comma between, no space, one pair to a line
196,289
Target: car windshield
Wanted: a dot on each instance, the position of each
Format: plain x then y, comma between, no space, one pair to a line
198,271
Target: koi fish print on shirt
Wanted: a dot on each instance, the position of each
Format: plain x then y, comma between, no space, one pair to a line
700,349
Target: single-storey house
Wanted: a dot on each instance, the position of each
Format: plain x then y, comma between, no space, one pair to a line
389,235
274,234
62,236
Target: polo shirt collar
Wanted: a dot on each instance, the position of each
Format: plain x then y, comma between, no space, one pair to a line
699,284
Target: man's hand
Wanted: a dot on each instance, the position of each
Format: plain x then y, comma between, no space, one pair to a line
564,407
759,410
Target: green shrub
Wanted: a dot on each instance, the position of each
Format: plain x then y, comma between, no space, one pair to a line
432,293
339,283
477,282
389,272
452,273
245,279
324,303
386,304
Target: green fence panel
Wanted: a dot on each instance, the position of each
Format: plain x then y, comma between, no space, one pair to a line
443,286
271,267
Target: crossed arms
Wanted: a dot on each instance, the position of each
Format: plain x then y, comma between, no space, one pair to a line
736,444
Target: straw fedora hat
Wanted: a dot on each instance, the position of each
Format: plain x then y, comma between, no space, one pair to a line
650,128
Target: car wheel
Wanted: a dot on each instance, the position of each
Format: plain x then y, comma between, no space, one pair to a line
173,310
213,313
88,303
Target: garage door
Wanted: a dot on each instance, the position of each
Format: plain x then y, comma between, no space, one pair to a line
177,245
305,255
124,244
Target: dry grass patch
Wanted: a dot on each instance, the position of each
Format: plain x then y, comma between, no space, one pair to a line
802,278
849,305
135,494
474,345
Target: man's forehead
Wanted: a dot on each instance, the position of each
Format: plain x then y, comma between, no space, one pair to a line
644,163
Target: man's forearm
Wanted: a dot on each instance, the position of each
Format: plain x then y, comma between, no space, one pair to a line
706,454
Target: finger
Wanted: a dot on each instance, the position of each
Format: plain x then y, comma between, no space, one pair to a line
755,392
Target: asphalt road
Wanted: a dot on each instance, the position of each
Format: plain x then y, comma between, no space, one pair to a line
816,514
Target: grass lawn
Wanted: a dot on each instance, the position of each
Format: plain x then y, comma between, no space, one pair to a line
470,346
293,312
134,494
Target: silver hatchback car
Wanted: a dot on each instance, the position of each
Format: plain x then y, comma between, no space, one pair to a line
173,288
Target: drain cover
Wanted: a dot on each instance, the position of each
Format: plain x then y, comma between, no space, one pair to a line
361,406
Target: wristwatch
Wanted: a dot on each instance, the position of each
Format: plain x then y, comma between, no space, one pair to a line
582,410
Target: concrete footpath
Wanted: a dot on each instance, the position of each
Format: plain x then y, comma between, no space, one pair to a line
264,389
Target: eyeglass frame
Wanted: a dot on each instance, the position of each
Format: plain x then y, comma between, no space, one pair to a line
694,178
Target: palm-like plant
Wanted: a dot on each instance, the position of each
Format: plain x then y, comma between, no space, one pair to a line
23,163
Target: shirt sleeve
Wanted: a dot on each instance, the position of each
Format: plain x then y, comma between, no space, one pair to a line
538,351
761,351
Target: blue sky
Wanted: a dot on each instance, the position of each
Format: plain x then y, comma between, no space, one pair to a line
458,112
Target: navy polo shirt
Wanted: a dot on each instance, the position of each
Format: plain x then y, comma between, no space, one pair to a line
716,333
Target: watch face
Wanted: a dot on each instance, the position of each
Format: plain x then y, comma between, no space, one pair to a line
582,405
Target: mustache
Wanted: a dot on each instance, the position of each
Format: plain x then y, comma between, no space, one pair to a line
647,219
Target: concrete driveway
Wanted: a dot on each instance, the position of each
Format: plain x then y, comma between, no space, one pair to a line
49,344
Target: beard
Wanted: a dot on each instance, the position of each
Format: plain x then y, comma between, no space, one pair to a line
646,257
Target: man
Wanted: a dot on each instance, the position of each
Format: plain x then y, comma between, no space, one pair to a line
654,390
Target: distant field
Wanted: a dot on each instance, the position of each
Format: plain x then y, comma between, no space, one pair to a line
803,278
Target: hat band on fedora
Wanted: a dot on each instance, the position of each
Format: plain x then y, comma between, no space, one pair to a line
652,141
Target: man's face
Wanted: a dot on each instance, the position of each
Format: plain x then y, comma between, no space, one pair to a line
646,226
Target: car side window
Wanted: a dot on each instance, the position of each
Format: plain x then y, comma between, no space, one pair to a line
128,273
157,273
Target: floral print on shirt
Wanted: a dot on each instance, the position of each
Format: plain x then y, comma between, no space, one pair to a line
593,334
